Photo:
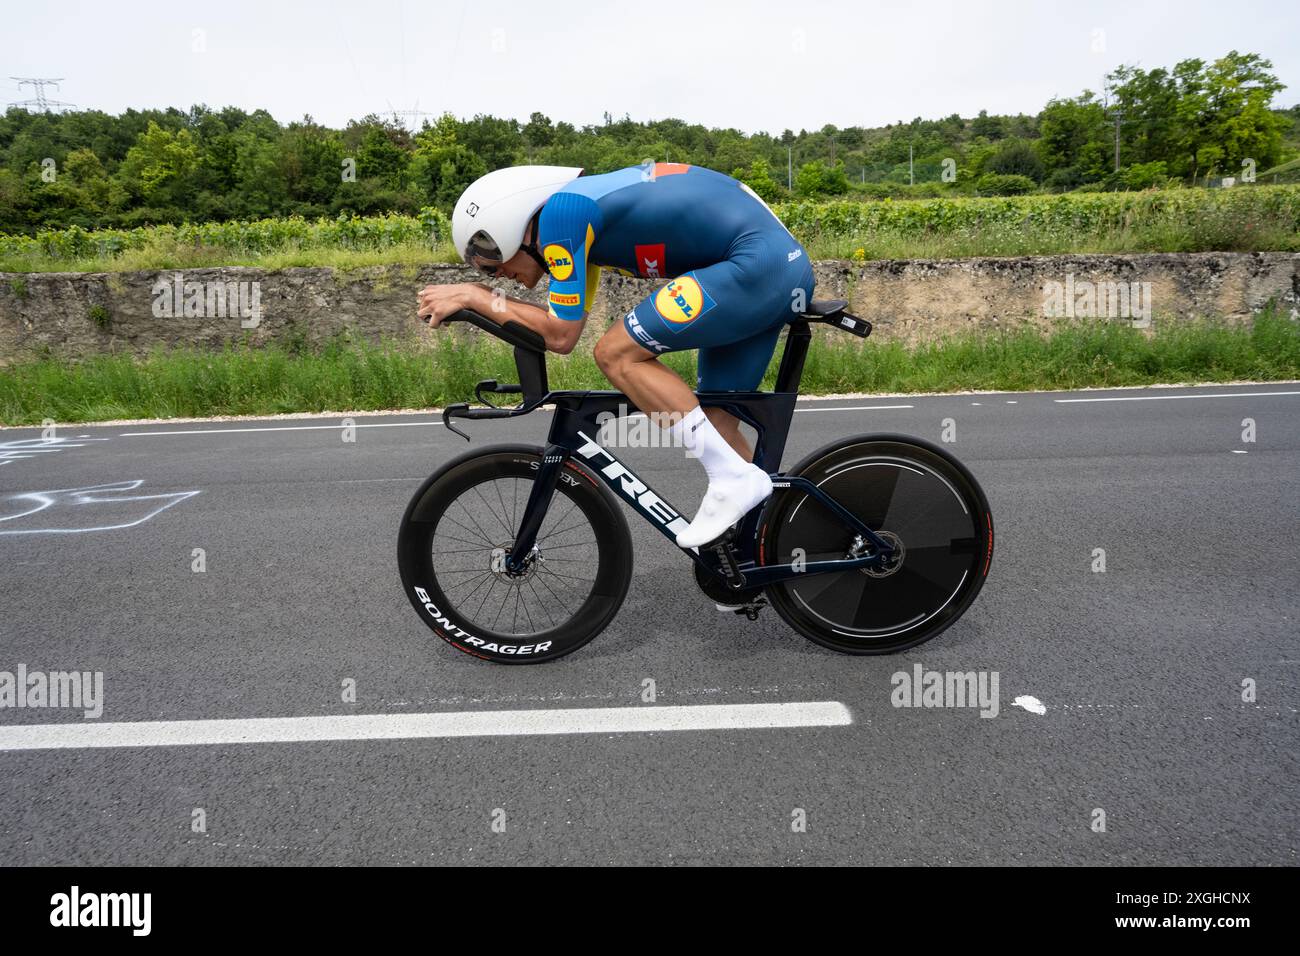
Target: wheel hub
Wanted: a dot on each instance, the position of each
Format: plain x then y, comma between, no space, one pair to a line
891,564
499,567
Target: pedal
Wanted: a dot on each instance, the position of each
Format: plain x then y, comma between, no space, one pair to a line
751,609
727,558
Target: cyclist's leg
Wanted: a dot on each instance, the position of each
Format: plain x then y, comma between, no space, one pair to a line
744,298
653,387
737,367
660,392
708,308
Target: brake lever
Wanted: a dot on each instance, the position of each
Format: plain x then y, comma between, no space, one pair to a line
446,418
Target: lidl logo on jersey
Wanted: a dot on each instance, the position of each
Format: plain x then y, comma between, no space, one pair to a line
650,261
559,260
682,300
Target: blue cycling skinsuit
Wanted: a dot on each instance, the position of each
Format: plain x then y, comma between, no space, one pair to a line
735,273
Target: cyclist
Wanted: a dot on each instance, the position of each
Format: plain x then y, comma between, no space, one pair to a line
733,274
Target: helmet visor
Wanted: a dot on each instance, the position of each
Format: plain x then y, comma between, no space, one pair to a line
483,253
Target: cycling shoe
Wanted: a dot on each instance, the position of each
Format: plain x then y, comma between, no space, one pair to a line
726,502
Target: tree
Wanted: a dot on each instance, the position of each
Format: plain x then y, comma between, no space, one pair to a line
442,173
312,165
380,158
261,188
816,180
1016,157
758,177
159,167
990,127
537,132
497,142
1072,137
1199,118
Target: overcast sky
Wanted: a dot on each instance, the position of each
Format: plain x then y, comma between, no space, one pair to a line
762,65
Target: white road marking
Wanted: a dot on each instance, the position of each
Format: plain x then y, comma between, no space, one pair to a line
1031,704
312,428
1163,398
278,428
68,510
1238,451
853,408
488,723
30,447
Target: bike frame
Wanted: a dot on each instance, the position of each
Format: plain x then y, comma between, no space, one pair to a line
579,417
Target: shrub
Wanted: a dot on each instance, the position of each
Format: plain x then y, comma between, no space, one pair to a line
995,184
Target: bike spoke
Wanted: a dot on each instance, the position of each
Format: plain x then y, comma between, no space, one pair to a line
478,545
542,578
496,486
476,524
568,576
492,583
499,516
468,530
481,581
541,604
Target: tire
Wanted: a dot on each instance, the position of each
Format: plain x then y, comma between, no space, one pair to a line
900,487
461,522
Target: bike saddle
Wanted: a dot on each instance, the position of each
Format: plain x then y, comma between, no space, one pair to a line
825,308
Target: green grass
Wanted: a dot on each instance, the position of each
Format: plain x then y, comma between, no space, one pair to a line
166,254
347,376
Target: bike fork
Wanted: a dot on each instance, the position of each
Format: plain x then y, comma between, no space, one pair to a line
539,501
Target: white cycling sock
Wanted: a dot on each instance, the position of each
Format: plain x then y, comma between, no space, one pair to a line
704,442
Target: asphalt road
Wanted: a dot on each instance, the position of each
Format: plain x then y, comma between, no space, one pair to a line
1140,668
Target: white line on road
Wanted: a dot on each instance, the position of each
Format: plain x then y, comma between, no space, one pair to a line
1164,398
853,408
314,428
488,723
278,428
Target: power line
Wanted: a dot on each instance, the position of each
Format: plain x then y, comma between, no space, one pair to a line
40,101
407,118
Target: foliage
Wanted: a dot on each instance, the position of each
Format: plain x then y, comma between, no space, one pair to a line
995,184
1248,219
1201,119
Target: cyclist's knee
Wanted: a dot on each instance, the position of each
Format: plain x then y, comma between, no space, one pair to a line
615,351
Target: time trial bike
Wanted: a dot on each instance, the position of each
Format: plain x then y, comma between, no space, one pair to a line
519,553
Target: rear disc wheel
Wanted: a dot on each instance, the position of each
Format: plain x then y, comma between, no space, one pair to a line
917,498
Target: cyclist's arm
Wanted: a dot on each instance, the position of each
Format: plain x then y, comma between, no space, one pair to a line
559,336
566,230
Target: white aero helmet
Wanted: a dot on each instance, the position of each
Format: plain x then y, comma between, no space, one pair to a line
492,215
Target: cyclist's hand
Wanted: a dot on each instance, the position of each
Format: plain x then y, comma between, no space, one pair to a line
436,302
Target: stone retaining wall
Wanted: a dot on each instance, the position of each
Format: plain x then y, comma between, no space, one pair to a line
74,315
